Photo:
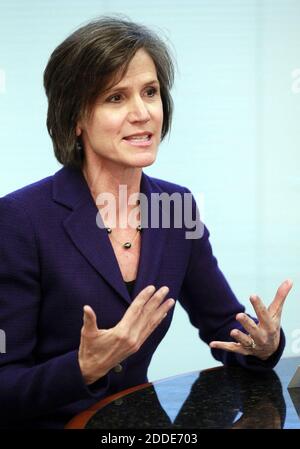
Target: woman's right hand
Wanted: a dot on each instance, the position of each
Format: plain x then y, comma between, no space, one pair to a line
102,349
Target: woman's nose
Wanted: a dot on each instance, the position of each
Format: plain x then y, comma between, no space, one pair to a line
138,111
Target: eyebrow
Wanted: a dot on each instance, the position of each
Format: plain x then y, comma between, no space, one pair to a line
126,88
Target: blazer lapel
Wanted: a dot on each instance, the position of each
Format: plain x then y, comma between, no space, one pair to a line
71,190
153,243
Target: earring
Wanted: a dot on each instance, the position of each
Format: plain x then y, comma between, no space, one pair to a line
79,147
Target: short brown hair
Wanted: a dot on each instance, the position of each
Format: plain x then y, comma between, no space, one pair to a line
85,64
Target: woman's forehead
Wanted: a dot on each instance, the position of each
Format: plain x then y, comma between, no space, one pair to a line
140,67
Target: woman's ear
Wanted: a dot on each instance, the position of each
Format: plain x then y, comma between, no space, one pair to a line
78,130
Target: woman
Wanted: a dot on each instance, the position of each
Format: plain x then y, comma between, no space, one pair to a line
108,87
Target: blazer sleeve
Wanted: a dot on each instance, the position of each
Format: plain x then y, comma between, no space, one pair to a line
28,388
212,306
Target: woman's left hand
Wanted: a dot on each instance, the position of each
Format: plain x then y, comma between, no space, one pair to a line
263,337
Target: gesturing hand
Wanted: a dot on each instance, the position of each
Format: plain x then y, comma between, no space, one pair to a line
101,349
263,338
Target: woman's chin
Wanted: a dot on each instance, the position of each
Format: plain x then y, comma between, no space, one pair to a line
144,160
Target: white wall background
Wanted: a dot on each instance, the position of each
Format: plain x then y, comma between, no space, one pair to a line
235,136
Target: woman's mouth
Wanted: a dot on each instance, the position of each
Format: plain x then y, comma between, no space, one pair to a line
137,140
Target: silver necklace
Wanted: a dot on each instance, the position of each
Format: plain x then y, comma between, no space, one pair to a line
125,245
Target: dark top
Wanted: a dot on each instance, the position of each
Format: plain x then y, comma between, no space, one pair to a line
40,281
130,285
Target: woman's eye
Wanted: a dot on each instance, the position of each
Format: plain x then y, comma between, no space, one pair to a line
151,91
114,98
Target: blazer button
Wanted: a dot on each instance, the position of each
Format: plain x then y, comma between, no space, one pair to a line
118,368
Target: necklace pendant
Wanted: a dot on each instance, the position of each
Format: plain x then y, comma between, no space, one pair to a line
127,245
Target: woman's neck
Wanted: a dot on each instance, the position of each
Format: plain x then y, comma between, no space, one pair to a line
108,179
121,182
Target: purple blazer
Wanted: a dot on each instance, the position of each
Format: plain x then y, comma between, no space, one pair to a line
54,259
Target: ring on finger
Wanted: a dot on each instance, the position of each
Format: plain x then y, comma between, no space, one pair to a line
251,343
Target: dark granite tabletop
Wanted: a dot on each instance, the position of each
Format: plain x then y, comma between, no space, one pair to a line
221,398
